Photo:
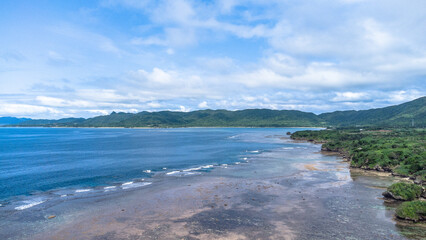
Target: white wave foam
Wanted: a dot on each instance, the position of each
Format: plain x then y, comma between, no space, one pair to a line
164,168
255,151
181,173
30,204
64,195
244,158
82,190
192,169
147,171
237,163
189,171
134,185
109,188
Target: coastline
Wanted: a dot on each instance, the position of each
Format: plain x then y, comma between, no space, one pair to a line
154,127
345,156
375,173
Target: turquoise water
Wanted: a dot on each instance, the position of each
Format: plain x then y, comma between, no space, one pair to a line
38,164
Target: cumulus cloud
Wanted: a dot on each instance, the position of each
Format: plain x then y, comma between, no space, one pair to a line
203,104
184,54
22,110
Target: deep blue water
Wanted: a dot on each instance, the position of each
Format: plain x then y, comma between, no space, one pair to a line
37,160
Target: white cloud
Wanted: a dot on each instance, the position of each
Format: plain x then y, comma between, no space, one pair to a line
157,76
50,101
404,96
203,105
100,95
22,110
350,96
376,37
183,109
154,105
98,112
86,37
230,54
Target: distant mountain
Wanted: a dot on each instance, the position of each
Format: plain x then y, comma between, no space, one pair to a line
202,118
51,123
400,115
12,120
206,118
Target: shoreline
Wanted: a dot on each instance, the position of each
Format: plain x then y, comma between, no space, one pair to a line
345,157
149,127
375,173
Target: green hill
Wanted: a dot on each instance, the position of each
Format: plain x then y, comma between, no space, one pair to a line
52,123
400,115
12,120
206,118
394,116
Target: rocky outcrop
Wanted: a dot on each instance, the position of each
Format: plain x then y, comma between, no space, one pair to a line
390,195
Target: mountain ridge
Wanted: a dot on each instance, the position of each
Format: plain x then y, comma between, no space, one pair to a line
401,115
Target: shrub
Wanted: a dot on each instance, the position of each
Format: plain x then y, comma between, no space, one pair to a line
414,210
405,191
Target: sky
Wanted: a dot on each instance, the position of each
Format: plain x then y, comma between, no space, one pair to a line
86,58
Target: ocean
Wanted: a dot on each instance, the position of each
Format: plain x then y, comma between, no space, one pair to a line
40,164
186,183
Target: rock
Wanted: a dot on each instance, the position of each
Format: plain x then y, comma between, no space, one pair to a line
379,168
288,133
51,216
418,180
389,195
399,175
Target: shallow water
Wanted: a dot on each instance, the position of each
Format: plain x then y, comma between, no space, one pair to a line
262,185
65,161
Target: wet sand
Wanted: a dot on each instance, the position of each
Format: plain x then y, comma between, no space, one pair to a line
320,198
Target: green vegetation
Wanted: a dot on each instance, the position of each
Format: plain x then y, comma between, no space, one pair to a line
404,191
12,120
402,115
45,122
414,211
202,118
401,151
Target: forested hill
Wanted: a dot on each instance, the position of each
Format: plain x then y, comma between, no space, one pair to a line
202,118
394,116
12,120
399,115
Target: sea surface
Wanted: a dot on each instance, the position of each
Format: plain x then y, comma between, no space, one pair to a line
40,164
187,183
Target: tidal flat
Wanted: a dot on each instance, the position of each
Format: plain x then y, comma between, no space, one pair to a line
290,191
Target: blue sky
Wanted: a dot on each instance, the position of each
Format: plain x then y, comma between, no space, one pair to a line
85,58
